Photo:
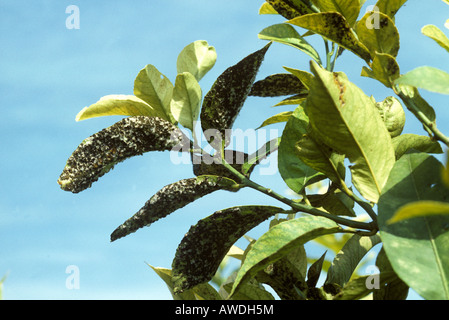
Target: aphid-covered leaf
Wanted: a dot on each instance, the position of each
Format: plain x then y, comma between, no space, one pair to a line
129,137
212,237
225,99
171,198
286,34
155,89
284,277
118,105
281,84
186,101
196,58
211,165
290,9
279,241
333,26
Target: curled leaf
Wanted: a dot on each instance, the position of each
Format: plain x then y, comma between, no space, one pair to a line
392,114
117,105
171,198
98,154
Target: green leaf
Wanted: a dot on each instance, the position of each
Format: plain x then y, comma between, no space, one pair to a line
166,276
394,289
278,241
186,101
197,58
334,202
252,290
203,291
281,84
390,7
445,174
292,169
117,105
427,78
225,99
212,237
98,154
384,69
417,248
383,38
357,288
304,76
349,257
315,271
347,120
420,209
280,117
333,26
320,157
155,89
267,8
350,9
292,100
286,34
408,141
437,35
162,204
290,9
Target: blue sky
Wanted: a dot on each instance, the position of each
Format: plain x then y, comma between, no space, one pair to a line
48,73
